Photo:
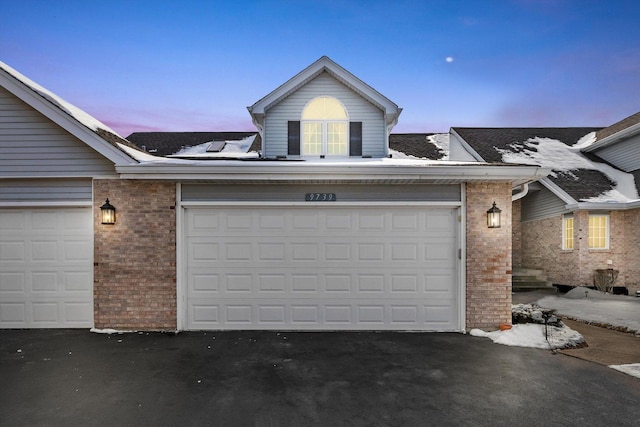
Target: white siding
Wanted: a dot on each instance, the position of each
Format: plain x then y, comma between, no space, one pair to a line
374,138
32,145
625,155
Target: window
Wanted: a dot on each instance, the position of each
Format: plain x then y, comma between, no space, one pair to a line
567,232
598,231
325,128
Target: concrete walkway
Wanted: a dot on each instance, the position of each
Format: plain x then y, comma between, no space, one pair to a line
605,346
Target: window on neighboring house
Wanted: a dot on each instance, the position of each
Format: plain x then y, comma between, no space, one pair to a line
567,232
325,128
598,231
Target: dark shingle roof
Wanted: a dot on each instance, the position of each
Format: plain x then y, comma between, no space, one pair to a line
619,126
415,144
487,141
167,143
580,184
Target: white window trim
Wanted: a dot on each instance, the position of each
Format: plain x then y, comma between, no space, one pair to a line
607,231
564,232
324,123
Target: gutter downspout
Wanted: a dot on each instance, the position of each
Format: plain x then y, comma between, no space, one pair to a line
523,192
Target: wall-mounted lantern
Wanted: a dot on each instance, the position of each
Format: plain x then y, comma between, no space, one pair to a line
493,217
108,213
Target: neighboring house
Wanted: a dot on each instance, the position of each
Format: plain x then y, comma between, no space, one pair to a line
585,215
320,226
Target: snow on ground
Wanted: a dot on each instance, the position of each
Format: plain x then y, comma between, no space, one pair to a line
632,369
554,154
594,306
533,335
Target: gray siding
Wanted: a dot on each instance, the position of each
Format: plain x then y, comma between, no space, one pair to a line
625,155
374,137
541,204
45,190
344,193
32,145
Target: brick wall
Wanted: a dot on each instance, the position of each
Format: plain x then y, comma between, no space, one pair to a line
488,298
135,259
516,233
542,249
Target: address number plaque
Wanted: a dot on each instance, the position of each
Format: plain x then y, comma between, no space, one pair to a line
320,197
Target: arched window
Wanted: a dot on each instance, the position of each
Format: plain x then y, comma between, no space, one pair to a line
325,126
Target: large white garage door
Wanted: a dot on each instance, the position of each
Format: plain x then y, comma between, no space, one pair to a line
46,268
322,268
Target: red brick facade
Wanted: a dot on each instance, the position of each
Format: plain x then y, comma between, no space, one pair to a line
488,299
135,259
542,249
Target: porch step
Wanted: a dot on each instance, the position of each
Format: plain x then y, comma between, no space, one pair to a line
530,280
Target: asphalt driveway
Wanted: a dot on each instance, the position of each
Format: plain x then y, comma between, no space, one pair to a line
73,377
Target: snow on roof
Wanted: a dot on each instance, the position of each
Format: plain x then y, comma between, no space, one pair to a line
81,116
560,157
232,149
441,141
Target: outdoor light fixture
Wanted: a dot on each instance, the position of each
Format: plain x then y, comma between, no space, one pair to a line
493,216
108,213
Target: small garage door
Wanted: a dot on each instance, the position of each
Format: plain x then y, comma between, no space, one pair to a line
46,268
322,268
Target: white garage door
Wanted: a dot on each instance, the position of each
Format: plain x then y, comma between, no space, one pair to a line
46,268
333,268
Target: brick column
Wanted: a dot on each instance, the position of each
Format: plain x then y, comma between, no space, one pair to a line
135,259
488,296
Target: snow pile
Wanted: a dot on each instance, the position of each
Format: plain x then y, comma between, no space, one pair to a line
533,335
593,306
531,313
554,154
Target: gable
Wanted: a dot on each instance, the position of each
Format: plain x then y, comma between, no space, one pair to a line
33,145
358,110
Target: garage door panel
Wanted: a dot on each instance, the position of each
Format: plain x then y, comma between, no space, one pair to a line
321,268
46,268
336,314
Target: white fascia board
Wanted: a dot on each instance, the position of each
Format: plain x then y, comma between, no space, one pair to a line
64,120
341,74
466,145
517,174
562,195
612,139
53,175
605,206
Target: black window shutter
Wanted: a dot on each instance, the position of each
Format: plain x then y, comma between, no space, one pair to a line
293,140
355,138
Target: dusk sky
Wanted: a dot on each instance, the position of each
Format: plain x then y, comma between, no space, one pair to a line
196,65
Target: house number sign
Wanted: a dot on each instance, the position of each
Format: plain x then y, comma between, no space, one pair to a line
320,197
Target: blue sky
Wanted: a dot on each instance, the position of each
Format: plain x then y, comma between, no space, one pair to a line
196,65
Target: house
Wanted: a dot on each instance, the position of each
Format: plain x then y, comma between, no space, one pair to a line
585,215
317,227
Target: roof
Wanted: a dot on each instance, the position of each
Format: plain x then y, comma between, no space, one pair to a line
168,143
416,144
325,64
488,141
79,123
618,126
582,176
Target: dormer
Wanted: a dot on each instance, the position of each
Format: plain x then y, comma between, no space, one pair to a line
324,112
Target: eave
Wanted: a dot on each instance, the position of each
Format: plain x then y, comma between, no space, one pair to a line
282,172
